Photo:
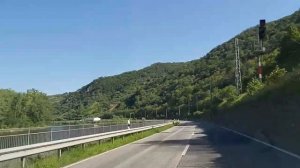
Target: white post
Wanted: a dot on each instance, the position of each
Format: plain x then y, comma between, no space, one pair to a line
28,136
23,160
51,134
59,153
69,131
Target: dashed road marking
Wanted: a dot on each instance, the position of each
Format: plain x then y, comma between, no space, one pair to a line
185,150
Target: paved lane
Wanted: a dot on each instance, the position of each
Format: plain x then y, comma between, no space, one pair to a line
193,145
215,147
156,151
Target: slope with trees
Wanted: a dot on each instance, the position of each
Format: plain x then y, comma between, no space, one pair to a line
193,88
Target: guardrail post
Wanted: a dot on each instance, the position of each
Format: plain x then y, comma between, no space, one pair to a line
59,153
28,136
94,129
83,130
23,162
69,132
51,134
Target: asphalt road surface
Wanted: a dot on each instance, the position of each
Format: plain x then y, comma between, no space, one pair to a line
193,145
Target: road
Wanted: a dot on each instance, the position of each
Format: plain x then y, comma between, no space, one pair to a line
193,145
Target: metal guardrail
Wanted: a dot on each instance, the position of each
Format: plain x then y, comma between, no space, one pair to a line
10,141
24,151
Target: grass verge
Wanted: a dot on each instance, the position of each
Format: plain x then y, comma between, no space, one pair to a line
76,154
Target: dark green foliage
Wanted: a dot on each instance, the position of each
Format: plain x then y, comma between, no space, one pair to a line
107,116
290,49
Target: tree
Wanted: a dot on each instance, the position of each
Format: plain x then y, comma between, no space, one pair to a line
228,93
22,109
94,109
37,106
290,49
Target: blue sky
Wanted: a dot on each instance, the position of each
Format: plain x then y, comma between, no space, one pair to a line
58,46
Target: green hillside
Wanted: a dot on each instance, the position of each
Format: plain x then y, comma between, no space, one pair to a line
198,87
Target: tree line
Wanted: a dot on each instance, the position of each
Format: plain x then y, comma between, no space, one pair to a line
24,109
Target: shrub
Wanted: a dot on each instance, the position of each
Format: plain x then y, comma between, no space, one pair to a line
254,86
275,75
176,123
107,116
198,114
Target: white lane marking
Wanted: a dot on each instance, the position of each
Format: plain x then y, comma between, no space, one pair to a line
130,160
187,146
259,141
185,150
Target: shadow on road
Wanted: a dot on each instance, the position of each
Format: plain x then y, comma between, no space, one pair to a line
214,147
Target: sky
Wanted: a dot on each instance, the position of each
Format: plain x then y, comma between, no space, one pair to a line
58,46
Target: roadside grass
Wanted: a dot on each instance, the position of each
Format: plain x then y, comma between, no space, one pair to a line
78,153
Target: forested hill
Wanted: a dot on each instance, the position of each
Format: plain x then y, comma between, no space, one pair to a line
200,85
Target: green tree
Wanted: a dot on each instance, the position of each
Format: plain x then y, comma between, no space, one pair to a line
37,106
94,109
228,93
290,49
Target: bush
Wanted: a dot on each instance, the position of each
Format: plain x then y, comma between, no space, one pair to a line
254,86
275,75
198,114
176,123
107,116
229,93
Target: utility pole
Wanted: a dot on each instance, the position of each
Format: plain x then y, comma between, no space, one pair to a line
189,108
210,91
197,103
238,75
166,112
179,111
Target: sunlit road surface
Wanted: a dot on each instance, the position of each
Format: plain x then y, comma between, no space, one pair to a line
193,145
